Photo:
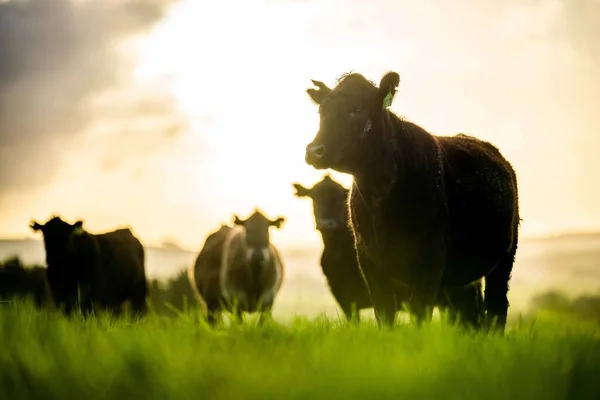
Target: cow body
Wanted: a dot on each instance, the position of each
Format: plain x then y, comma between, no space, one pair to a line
100,270
340,265
433,212
251,285
341,270
235,274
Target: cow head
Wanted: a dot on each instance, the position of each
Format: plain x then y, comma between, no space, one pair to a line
352,115
62,273
257,235
329,204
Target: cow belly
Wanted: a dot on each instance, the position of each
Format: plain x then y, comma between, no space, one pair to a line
479,236
469,261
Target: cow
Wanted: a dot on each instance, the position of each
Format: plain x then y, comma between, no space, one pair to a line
239,269
95,270
340,265
18,281
430,211
338,261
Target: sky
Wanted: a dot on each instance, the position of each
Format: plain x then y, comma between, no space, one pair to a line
172,116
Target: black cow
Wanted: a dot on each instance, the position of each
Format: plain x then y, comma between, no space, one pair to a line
431,211
340,265
102,270
338,261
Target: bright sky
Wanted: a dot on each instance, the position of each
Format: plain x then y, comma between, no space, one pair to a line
239,70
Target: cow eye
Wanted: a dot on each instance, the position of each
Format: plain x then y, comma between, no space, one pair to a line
357,111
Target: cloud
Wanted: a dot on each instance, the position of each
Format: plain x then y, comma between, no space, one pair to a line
57,57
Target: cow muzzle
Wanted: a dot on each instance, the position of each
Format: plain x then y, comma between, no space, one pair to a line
326,224
258,256
314,154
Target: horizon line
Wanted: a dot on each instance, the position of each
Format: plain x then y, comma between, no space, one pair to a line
306,244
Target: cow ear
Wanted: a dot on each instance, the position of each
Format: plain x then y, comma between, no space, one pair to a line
387,89
35,226
301,191
77,228
237,221
278,222
317,95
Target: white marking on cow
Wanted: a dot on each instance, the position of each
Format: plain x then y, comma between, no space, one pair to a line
266,255
268,296
239,233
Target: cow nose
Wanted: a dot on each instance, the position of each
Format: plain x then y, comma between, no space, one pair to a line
315,150
326,224
257,256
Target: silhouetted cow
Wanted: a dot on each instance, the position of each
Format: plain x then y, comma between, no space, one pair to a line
238,269
338,261
340,265
103,270
431,211
18,281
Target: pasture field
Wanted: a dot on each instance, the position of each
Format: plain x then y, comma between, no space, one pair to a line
46,356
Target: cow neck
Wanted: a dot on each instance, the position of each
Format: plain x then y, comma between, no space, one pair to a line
336,239
381,170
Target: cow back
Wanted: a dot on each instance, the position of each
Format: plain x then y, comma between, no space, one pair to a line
121,257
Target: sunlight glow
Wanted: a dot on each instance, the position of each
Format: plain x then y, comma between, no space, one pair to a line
239,71
261,117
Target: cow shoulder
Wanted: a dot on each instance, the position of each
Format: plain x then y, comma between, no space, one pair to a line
234,249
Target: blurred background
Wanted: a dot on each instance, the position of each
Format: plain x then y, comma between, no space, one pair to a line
170,116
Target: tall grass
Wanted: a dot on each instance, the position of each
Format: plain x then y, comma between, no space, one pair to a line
46,356
173,354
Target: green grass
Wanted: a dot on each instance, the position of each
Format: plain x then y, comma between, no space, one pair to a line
45,356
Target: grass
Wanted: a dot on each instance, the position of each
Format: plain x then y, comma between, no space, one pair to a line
46,356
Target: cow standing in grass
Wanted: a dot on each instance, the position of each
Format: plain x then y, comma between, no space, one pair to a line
338,261
239,269
95,270
340,265
429,211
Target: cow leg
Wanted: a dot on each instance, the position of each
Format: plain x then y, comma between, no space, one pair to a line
496,292
87,307
238,314
381,289
427,278
67,309
138,300
445,305
116,309
213,313
213,318
38,300
138,307
351,312
466,304
265,314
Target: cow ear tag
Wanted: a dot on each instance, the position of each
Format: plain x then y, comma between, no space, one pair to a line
387,101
